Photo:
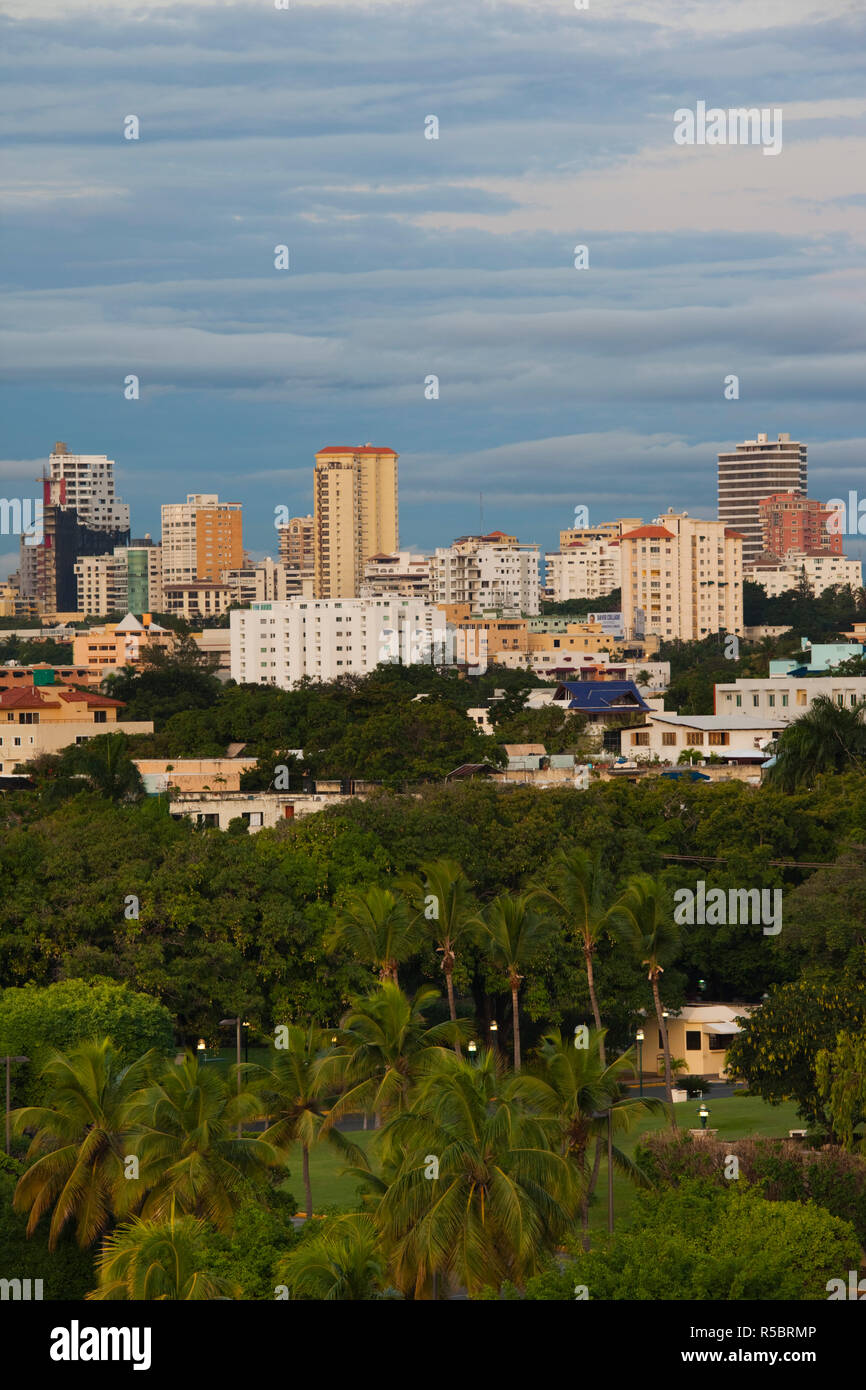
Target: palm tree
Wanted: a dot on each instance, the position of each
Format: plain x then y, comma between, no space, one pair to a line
290,1091
576,899
441,894
827,738
513,933
146,1260
344,1262
81,1140
376,927
499,1197
647,927
189,1154
379,1042
578,1089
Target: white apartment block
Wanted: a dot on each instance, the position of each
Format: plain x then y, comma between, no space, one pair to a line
757,469
102,583
86,482
821,571
494,571
682,578
400,573
586,569
786,697
281,643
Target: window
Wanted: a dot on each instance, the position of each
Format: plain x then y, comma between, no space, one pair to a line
641,740
771,701
694,739
718,738
669,740
693,1040
739,701
716,1043
801,697
100,716
784,702
756,700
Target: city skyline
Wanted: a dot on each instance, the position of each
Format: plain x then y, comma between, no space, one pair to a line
411,257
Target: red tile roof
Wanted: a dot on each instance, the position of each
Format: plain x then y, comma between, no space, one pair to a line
34,697
648,533
732,535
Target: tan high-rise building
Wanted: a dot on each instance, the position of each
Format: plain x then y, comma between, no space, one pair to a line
682,578
201,538
755,470
298,553
355,515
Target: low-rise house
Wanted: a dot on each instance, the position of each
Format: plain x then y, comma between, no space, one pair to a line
601,702
120,644
48,717
260,810
700,1034
732,738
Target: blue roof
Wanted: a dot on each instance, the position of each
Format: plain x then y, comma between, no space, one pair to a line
603,695
691,775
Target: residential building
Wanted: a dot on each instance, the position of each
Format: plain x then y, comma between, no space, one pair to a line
201,539
43,673
790,521
193,774
585,569
120,644
784,698
297,551
66,539
258,583
733,737
604,703
492,571
400,573
682,578
260,810
144,575
606,533
755,470
820,572
102,583
282,643
49,716
198,601
355,515
84,483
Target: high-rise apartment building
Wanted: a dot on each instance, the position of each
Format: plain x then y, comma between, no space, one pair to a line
201,539
682,578
144,576
86,484
297,552
102,584
355,515
755,470
492,571
790,521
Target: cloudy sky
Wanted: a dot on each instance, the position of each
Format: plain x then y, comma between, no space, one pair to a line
412,257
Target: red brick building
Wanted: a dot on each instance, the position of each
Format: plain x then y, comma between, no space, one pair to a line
790,521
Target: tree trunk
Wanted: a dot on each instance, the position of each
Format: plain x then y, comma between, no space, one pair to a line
590,980
305,1168
664,1032
449,985
584,1206
516,1019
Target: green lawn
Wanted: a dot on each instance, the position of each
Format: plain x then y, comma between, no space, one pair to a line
735,1117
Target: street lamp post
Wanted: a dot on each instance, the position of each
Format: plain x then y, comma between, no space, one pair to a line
639,1038
9,1060
227,1023
472,1048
